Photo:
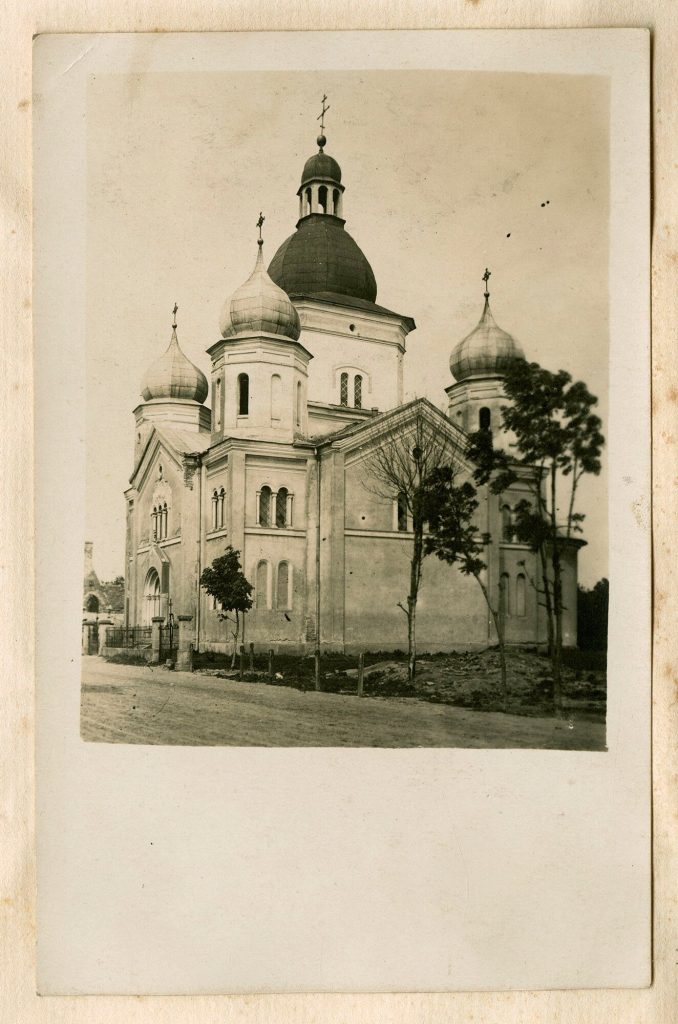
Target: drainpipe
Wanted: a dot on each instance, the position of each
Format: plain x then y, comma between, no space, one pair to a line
316,452
200,542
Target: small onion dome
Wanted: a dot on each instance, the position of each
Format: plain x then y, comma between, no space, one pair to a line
259,306
487,351
174,376
320,165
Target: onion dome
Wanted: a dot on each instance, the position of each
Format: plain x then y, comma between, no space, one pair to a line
173,375
322,257
259,306
487,351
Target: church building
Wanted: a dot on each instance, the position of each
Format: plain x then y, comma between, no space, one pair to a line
306,382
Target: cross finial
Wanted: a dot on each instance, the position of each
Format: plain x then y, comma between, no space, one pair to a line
174,315
260,224
486,278
321,115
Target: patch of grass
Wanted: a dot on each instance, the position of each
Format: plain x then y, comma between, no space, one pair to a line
126,658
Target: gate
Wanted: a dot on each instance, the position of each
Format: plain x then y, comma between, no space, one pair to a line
169,643
93,638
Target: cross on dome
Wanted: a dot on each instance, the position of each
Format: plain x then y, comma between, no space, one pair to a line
322,141
260,224
486,277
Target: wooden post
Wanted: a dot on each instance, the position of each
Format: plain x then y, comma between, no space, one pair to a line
361,669
317,669
242,661
251,657
270,665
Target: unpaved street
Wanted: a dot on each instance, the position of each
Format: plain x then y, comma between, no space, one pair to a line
138,704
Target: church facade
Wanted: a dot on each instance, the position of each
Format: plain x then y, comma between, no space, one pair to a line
306,382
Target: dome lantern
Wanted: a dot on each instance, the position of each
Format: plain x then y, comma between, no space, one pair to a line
173,375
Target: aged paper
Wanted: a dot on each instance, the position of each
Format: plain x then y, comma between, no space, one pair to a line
503,1007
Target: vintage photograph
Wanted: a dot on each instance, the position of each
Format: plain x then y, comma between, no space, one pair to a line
346,409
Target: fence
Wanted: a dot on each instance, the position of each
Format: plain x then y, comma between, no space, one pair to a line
128,636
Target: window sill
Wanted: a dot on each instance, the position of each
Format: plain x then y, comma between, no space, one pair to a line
221,531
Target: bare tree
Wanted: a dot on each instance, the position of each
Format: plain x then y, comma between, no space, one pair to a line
412,449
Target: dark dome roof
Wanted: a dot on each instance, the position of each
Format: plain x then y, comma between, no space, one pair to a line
320,165
321,257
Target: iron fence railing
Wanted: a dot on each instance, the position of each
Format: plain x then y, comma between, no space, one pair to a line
129,636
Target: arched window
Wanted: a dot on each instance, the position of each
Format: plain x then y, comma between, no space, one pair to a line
506,523
216,411
154,523
215,509
261,585
484,418
163,528
309,202
243,395
299,403
322,198
520,594
281,508
335,197
276,385
343,389
358,391
282,598
402,511
505,594
265,506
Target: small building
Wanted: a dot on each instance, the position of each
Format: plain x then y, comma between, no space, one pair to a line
100,600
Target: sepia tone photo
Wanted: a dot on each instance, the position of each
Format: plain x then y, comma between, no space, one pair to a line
346,389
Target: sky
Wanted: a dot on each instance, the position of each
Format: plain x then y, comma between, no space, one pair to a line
446,173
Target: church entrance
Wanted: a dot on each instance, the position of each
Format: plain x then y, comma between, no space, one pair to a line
151,604
92,606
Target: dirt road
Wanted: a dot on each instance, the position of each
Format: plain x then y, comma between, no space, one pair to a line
138,704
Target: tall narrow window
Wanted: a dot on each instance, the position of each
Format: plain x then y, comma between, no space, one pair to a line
265,506
335,196
484,418
322,198
216,411
215,510
282,599
261,585
298,403
243,395
154,522
358,391
520,594
402,511
505,593
222,498
343,389
281,507
275,396
309,202
164,521
506,523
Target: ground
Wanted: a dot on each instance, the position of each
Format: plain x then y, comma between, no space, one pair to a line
152,705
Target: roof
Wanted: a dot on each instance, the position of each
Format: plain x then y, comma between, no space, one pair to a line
487,350
185,442
353,303
321,257
402,412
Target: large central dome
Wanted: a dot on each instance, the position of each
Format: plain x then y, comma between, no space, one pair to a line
322,257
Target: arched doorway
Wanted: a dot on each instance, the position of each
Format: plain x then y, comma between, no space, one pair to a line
92,605
151,607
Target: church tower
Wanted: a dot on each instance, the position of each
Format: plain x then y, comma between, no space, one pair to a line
478,364
259,367
357,345
174,391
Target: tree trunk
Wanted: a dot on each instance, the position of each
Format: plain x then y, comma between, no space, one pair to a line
557,657
415,577
548,603
499,626
235,640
